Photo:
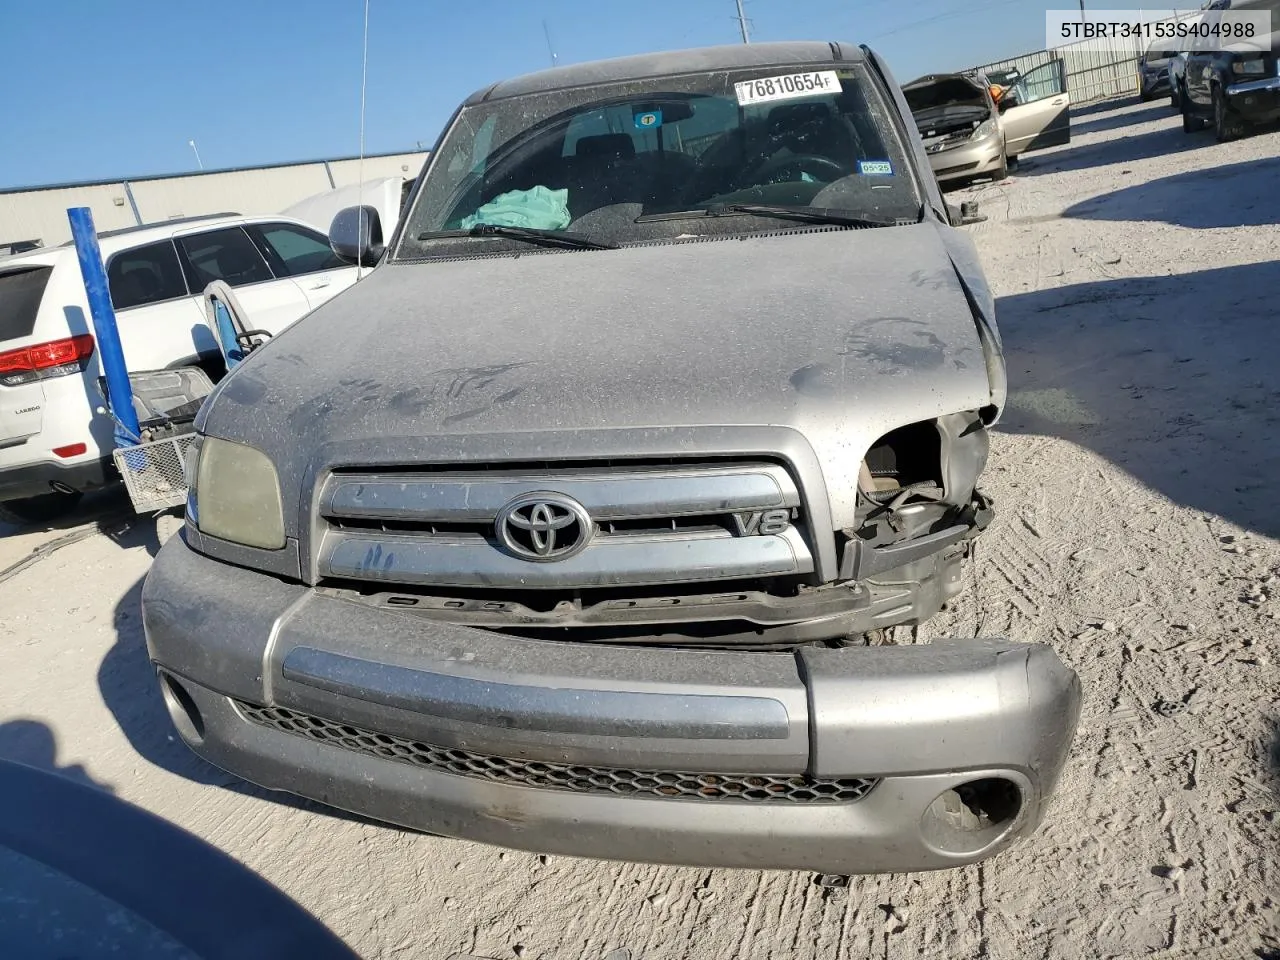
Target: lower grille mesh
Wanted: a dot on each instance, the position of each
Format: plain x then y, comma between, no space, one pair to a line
748,788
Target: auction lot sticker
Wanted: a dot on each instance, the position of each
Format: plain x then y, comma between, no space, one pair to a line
790,86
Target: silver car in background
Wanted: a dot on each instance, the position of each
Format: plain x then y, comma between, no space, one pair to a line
968,134
1154,71
960,126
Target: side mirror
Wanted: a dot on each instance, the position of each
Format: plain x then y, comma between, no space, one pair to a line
356,235
1009,99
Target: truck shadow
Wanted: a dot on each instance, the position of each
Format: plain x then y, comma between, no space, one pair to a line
102,507
128,686
1172,378
1195,199
1117,114
1161,142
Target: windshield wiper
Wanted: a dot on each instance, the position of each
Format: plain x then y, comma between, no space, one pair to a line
803,214
543,238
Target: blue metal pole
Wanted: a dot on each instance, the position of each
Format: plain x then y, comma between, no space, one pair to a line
119,392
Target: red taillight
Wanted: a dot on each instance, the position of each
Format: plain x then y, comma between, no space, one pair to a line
54,359
71,450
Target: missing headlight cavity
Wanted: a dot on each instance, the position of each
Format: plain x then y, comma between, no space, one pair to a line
905,457
941,459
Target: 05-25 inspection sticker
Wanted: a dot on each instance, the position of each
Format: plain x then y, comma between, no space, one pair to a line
790,86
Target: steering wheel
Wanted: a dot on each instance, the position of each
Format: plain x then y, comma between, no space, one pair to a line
804,161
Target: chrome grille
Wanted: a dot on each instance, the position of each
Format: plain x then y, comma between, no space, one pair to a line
650,526
724,787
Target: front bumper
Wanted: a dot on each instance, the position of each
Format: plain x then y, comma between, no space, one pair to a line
422,723
971,160
1156,83
1257,101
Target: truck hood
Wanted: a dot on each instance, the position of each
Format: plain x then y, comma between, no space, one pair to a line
842,334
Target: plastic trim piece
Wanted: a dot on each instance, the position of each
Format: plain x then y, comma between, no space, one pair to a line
608,713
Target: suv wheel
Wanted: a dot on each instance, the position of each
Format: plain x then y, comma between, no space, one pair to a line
1225,126
38,510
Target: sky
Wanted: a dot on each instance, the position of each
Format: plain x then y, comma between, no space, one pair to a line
102,89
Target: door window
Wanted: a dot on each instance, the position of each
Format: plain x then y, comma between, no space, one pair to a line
1046,80
145,275
227,255
294,251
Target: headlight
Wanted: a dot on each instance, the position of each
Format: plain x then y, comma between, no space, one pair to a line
238,495
985,129
190,464
1247,67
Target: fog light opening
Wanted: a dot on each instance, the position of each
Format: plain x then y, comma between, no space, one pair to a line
182,709
972,816
990,802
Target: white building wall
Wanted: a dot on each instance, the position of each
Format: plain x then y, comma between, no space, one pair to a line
41,214
406,165
237,191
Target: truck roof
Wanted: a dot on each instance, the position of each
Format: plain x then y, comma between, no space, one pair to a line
672,63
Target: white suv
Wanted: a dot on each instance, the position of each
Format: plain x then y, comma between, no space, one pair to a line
53,443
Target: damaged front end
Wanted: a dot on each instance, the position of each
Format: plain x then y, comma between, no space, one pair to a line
918,513
958,123
948,108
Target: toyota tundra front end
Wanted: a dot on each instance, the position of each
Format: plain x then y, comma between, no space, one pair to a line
583,524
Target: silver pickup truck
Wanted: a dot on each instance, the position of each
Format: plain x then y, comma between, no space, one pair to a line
583,524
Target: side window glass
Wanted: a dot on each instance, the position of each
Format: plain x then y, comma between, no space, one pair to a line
228,255
463,160
145,275
298,250
1041,83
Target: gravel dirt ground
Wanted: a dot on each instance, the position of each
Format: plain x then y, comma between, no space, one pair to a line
1134,476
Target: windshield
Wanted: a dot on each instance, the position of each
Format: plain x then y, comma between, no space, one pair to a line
620,163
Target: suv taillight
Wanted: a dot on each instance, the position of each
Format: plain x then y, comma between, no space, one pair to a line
57,358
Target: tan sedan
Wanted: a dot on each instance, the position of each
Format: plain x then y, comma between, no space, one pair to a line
968,135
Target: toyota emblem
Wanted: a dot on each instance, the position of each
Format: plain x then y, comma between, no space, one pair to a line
544,527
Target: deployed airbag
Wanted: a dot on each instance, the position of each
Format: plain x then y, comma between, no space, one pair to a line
539,208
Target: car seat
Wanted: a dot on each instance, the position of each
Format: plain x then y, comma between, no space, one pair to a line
814,129
139,284
602,172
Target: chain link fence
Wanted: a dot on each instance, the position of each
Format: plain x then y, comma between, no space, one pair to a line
1095,69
